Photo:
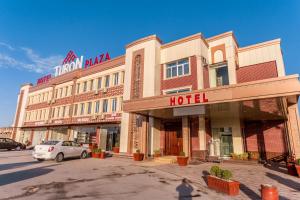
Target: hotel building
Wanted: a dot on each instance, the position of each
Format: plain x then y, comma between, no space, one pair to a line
202,96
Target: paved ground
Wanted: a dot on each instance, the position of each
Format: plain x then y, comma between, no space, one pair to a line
21,177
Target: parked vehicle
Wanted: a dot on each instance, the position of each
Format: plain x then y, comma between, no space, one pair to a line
9,144
59,150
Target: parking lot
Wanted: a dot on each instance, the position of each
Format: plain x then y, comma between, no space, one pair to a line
21,177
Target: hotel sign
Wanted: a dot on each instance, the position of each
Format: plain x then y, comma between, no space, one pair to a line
196,98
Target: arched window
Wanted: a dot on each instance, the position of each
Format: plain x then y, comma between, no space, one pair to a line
218,56
137,77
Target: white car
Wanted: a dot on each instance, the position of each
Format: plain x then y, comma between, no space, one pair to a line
58,150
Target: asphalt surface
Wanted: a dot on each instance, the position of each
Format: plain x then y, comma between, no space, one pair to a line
22,177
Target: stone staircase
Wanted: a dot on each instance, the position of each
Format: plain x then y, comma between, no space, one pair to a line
166,159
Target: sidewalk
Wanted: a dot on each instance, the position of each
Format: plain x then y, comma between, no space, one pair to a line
249,176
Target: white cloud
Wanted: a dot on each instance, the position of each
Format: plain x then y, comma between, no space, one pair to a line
7,46
34,62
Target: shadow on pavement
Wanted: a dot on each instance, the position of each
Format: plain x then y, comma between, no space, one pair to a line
287,182
23,175
16,165
250,193
185,190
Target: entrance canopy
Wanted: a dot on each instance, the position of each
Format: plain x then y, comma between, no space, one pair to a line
264,98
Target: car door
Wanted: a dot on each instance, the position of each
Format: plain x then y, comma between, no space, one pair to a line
67,149
77,149
2,143
10,144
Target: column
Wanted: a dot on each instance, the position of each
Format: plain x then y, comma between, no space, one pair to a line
293,126
202,134
144,136
186,136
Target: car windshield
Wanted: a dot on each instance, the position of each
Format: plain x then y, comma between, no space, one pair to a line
50,143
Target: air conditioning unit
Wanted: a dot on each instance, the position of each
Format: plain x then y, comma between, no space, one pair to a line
94,117
96,92
104,90
50,121
49,101
53,100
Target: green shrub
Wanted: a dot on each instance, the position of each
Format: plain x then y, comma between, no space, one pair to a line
117,144
94,150
226,174
218,172
138,151
215,170
298,161
181,153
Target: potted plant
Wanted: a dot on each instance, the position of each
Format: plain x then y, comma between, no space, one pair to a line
182,160
220,180
101,154
297,166
95,153
157,153
290,165
138,156
116,148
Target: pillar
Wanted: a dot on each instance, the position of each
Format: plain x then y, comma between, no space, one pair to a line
202,134
186,136
144,136
293,126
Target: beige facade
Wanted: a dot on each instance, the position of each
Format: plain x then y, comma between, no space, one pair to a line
198,95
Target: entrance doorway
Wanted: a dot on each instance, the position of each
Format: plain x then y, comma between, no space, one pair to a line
222,141
173,138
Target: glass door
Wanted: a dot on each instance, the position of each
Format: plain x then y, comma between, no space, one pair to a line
226,142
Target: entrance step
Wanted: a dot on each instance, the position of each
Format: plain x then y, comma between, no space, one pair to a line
166,159
122,155
213,159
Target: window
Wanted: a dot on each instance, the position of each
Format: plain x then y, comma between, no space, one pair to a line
91,85
58,110
64,111
97,106
66,91
56,92
81,108
89,108
222,76
178,68
116,78
114,105
105,106
78,88
99,83
61,92
75,109
84,86
107,81
53,112
178,91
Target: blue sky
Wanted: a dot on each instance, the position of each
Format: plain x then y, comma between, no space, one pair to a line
36,35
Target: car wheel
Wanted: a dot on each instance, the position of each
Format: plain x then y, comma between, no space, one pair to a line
59,157
83,155
18,148
40,159
8,149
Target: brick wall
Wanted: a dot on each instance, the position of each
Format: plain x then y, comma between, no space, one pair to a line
205,77
257,72
267,137
181,81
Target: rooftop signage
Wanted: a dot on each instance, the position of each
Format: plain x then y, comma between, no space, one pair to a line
71,63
